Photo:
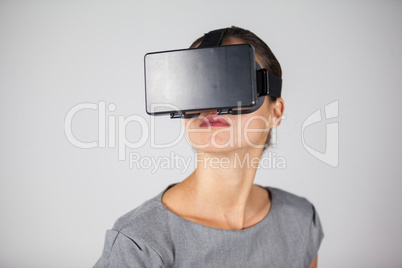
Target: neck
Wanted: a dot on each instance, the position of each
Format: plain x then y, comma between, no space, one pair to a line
222,186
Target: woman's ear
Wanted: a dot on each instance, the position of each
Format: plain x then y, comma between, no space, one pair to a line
278,107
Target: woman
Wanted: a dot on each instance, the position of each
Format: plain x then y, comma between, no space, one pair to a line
217,217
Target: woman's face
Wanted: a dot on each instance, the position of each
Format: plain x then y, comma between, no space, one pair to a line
210,132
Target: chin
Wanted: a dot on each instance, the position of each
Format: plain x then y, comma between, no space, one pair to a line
202,140
214,150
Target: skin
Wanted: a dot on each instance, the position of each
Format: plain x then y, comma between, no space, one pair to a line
220,193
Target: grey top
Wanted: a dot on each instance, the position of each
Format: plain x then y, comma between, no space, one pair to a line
153,236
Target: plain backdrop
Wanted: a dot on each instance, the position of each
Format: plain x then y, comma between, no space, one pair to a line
57,200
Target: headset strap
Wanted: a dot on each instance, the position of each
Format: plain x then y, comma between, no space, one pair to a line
213,38
267,84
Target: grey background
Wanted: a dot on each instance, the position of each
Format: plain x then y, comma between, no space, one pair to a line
57,200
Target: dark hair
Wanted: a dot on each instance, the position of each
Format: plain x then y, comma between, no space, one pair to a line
262,52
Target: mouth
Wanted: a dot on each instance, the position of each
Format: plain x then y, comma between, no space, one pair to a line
214,120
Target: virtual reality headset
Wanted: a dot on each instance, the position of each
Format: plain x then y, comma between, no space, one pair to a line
185,82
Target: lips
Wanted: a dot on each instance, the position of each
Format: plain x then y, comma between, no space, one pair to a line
214,120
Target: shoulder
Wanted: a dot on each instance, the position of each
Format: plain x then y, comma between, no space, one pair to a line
143,215
290,203
133,239
148,224
298,220
141,223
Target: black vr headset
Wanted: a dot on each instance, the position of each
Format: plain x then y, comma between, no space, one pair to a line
226,78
